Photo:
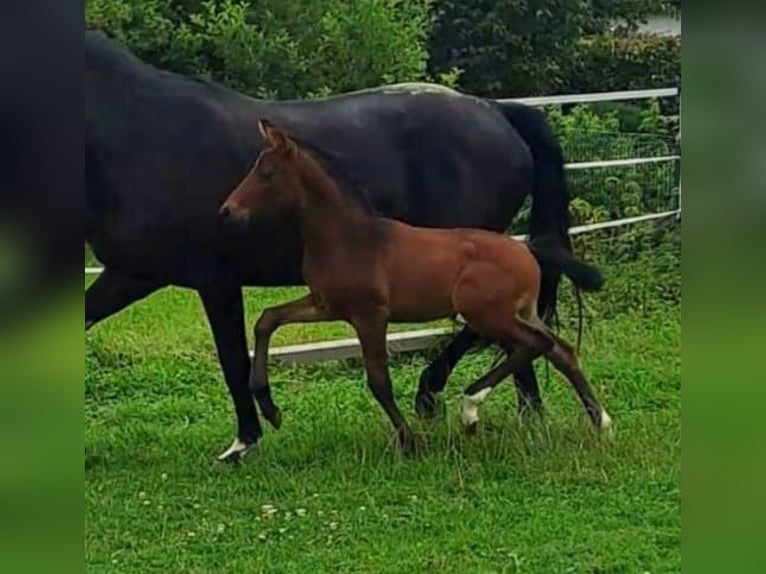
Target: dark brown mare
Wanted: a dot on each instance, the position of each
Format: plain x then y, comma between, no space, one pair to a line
370,271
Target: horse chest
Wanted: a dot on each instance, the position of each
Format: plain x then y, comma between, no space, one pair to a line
344,285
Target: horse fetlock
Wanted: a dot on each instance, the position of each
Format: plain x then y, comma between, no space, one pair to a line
426,404
405,440
237,451
469,406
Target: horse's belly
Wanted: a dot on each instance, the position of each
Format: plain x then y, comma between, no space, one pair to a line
413,303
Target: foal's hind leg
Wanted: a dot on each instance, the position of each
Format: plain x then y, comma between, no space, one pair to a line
475,394
434,377
523,346
564,358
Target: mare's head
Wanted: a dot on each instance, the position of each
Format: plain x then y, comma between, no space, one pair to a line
273,184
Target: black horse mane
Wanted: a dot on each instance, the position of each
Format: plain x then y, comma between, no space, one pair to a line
349,185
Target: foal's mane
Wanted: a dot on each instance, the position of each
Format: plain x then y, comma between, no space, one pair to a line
348,185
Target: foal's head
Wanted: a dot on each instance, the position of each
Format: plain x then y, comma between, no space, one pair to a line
274,183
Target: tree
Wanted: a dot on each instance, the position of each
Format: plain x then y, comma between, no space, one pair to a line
275,48
523,47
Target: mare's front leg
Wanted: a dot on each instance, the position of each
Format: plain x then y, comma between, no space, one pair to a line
303,310
226,315
371,330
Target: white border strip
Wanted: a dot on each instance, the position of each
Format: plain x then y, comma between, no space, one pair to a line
594,97
340,349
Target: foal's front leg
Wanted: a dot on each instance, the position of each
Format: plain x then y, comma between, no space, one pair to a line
303,310
371,330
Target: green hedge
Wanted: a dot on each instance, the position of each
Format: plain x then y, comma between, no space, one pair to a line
275,48
611,63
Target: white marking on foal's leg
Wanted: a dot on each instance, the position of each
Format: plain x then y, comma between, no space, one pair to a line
606,423
469,411
236,451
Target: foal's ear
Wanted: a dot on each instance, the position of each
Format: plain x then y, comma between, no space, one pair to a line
275,137
265,127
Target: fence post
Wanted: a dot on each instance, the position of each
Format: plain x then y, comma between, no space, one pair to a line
678,150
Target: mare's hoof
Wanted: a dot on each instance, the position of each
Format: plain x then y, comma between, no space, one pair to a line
470,428
427,405
236,452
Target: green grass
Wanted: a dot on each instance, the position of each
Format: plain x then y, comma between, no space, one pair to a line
550,497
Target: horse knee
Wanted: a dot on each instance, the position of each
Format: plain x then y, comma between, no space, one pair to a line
266,324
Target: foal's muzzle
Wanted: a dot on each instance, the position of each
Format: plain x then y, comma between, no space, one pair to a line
233,217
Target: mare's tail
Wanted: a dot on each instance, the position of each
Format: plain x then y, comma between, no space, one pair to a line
550,195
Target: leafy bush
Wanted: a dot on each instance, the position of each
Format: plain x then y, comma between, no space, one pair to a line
601,194
508,48
609,62
275,48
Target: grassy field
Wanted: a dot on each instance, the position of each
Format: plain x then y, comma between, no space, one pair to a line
328,492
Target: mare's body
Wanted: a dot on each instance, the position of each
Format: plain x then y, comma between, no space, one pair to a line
162,152
371,271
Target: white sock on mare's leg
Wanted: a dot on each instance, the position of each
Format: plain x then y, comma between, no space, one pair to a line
236,451
469,406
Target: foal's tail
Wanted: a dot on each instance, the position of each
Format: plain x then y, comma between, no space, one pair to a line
549,253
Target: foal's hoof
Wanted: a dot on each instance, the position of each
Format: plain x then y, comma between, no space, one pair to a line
406,442
427,405
471,428
236,452
273,415
605,425
269,410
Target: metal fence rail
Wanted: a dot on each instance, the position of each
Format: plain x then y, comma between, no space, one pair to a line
595,97
426,338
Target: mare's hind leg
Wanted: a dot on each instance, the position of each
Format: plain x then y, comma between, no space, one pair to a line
434,377
371,330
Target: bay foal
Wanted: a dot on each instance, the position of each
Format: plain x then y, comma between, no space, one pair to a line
370,271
